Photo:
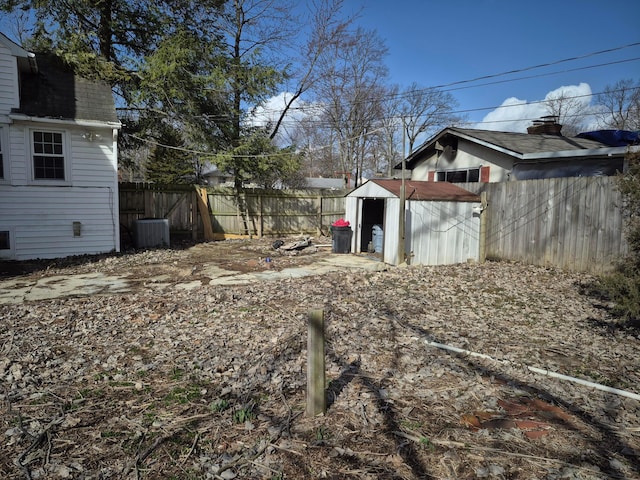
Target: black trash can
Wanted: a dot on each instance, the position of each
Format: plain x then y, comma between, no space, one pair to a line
341,239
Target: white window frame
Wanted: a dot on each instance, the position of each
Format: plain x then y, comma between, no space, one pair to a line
66,154
4,154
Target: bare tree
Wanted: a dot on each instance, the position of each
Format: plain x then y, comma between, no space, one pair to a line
351,90
327,30
425,110
569,109
619,106
386,154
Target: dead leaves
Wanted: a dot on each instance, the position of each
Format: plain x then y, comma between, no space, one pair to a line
150,383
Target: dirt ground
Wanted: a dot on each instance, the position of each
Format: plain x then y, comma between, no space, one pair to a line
163,382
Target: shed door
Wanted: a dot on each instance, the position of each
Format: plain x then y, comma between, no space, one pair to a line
372,214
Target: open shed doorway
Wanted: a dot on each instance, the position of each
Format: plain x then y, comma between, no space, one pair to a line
372,214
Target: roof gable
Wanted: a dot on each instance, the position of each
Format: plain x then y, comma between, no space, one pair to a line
522,146
421,190
15,49
54,91
526,143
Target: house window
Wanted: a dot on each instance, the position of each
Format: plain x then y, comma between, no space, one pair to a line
48,156
459,176
5,240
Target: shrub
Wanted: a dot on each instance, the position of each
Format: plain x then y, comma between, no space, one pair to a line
623,286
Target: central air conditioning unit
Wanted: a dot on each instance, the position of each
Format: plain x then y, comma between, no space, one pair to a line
151,233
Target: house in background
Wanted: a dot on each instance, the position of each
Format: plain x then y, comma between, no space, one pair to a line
58,159
460,155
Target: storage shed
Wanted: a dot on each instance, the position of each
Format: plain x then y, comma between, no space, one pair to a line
442,221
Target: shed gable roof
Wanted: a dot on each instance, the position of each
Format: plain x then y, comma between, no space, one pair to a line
426,191
54,91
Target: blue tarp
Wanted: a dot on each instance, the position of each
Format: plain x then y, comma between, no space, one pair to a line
613,138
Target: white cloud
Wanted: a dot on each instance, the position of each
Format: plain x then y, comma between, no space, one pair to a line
515,115
269,113
273,107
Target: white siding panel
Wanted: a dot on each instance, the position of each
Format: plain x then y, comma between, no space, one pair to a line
17,153
352,214
93,161
8,81
42,220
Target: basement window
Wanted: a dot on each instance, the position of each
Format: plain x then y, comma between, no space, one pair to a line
466,175
5,240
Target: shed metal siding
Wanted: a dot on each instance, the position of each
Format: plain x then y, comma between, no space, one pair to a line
441,233
391,231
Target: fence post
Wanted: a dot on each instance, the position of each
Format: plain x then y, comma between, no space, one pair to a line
203,206
483,229
194,216
316,398
260,218
319,197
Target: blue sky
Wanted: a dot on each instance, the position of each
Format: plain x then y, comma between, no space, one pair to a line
441,42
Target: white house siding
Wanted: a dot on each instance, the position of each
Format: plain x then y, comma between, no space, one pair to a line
8,81
41,221
40,217
441,233
94,163
469,155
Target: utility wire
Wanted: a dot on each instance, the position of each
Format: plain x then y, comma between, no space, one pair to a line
443,87
371,132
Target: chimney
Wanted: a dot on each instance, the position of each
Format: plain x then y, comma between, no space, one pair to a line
547,125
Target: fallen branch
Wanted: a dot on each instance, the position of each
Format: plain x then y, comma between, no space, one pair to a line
193,447
35,444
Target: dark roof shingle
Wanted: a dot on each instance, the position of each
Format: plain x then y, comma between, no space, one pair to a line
56,92
524,143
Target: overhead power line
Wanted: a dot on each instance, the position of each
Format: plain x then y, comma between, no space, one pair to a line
533,67
453,86
372,132
456,85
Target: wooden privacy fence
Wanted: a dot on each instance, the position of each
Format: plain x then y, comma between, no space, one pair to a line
177,203
256,212
573,223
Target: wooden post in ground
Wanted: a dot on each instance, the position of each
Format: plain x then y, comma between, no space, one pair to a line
203,206
316,399
483,228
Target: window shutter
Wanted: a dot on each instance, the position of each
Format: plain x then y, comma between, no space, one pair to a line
484,174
